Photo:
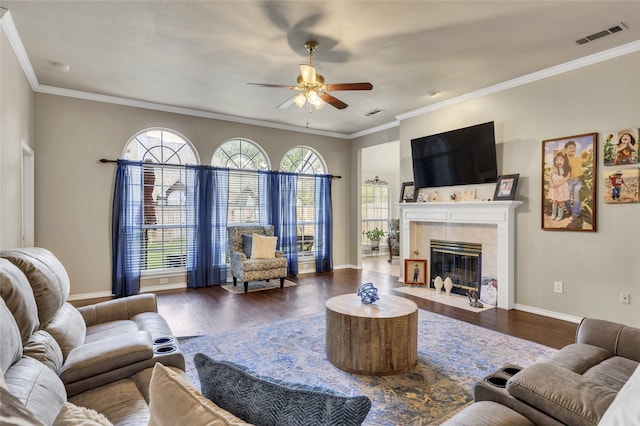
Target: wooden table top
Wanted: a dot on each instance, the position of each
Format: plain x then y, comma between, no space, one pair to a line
388,306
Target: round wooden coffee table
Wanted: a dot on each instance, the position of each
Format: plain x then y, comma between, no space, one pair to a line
373,339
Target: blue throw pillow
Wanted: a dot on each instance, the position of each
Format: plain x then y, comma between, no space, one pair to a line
247,242
270,402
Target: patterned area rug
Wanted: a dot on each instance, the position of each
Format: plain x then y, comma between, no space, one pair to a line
452,355
257,285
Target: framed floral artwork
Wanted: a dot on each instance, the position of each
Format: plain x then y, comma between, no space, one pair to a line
569,182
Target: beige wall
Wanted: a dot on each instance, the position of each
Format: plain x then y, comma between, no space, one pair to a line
16,127
594,267
74,191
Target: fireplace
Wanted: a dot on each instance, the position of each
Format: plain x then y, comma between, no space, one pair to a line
468,213
462,262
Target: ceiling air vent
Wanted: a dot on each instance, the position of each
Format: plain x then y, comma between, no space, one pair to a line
600,34
373,112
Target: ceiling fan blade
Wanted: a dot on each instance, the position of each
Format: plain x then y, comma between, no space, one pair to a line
308,74
286,104
333,101
350,86
279,86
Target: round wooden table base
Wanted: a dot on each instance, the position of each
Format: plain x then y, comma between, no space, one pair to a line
372,339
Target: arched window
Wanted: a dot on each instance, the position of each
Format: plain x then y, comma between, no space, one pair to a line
242,156
164,225
308,162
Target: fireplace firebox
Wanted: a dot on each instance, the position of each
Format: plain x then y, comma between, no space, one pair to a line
462,262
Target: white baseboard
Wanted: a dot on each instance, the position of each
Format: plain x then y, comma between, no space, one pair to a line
546,313
85,296
152,288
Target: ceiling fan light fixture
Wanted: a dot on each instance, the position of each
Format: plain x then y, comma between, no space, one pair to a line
300,100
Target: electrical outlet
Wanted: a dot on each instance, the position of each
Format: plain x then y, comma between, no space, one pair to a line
164,280
558,287
624,297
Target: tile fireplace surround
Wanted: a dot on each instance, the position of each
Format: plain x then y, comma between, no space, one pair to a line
498,213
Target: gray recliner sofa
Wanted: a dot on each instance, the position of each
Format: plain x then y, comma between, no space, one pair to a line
576,386
99,356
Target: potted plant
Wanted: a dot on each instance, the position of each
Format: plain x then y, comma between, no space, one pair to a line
374,236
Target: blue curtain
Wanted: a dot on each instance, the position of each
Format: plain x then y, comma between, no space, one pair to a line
324,224
288,220
207,196
127,234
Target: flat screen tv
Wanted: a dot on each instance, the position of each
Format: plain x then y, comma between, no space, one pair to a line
457,157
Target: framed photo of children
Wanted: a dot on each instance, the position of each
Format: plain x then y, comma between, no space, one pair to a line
569,182
622,186
621,147
415,271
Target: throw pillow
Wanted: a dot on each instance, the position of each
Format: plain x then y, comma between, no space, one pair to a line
270,402
74,415
173,401
246,244
263,247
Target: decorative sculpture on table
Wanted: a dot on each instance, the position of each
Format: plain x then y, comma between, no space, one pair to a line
368,293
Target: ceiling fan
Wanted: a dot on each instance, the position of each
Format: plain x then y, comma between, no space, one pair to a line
312,88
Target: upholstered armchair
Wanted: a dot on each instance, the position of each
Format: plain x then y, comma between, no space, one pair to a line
393,239
255,259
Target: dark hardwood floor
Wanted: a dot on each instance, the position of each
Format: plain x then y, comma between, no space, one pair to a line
201,311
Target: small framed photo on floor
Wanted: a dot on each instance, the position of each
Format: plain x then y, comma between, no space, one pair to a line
415,271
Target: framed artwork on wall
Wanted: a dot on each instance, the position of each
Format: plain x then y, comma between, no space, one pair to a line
569,181
621,147
415,271
408,194
622,186
506,187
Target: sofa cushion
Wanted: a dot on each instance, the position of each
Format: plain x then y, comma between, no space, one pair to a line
47,277
37,387
120,401
73,415
43,347
17,294
173,401
561,393
624,410
263,247
106,355
10,340
13,412
488,413
613,372
265,401
579,357
68,328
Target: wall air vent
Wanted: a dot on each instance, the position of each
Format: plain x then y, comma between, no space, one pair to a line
600,34
373,112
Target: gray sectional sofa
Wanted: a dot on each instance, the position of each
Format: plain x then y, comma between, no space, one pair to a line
594,381
54,357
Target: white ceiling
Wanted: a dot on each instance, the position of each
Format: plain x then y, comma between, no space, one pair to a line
199,55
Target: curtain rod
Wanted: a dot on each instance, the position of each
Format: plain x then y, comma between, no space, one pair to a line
105,161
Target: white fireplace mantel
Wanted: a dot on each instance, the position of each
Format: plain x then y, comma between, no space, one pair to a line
500,213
